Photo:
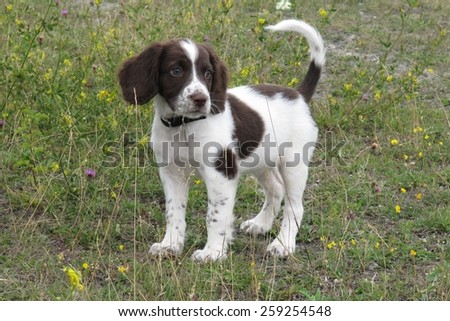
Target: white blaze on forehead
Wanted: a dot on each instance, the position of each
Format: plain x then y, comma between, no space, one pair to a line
194,85
190,49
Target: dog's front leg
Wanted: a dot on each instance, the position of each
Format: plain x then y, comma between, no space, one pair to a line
219,218
175,182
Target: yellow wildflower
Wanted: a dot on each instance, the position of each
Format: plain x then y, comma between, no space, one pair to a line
111,97
121,247
227,4
332,100
261,21
244,72
418,130
389,78
67,63
377,245
353,241
405,157
54,166
144,141
74,278
412,253
377,96
331,245
197,181
48,75
323,13
293,82
68,120
348,87
420,154
85,265
398,209
9,7
102,94
419,196
403,190
122,268
394,141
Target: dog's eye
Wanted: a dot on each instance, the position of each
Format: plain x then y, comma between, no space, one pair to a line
176,72
208,74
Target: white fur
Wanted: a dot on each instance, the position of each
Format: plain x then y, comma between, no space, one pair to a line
313,37
184,103
285,121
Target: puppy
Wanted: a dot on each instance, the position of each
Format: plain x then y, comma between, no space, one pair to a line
220,134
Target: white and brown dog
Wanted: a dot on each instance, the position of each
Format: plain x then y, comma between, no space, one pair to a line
202,126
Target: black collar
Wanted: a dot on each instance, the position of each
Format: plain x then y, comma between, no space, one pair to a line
179,120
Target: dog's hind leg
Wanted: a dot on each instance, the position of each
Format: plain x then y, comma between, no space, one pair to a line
294,182
272,184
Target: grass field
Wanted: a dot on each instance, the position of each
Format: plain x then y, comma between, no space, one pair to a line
80,197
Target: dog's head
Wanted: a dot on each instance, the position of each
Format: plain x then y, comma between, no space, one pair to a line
189,76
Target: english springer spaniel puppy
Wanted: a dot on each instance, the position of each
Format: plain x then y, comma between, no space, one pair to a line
200,126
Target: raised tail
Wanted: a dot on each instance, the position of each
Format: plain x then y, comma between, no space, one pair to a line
316,46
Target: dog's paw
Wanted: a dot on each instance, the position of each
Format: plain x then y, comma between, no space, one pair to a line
166,249
208,255
280,250
255,227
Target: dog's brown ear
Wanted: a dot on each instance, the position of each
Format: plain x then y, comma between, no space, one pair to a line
220,81
138,75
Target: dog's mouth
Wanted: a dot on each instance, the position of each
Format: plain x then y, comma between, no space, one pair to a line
190,110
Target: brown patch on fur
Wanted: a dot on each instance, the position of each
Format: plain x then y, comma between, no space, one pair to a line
272,90
218,91
138,75
226,163
249,127
308,86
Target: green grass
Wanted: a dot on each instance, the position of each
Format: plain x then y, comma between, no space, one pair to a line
367,233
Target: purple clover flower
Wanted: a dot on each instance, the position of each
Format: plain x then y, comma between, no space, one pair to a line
90,172
64,12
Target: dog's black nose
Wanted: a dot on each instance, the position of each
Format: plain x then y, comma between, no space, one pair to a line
199,99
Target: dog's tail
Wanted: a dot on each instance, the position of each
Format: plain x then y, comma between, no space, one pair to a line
317,48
